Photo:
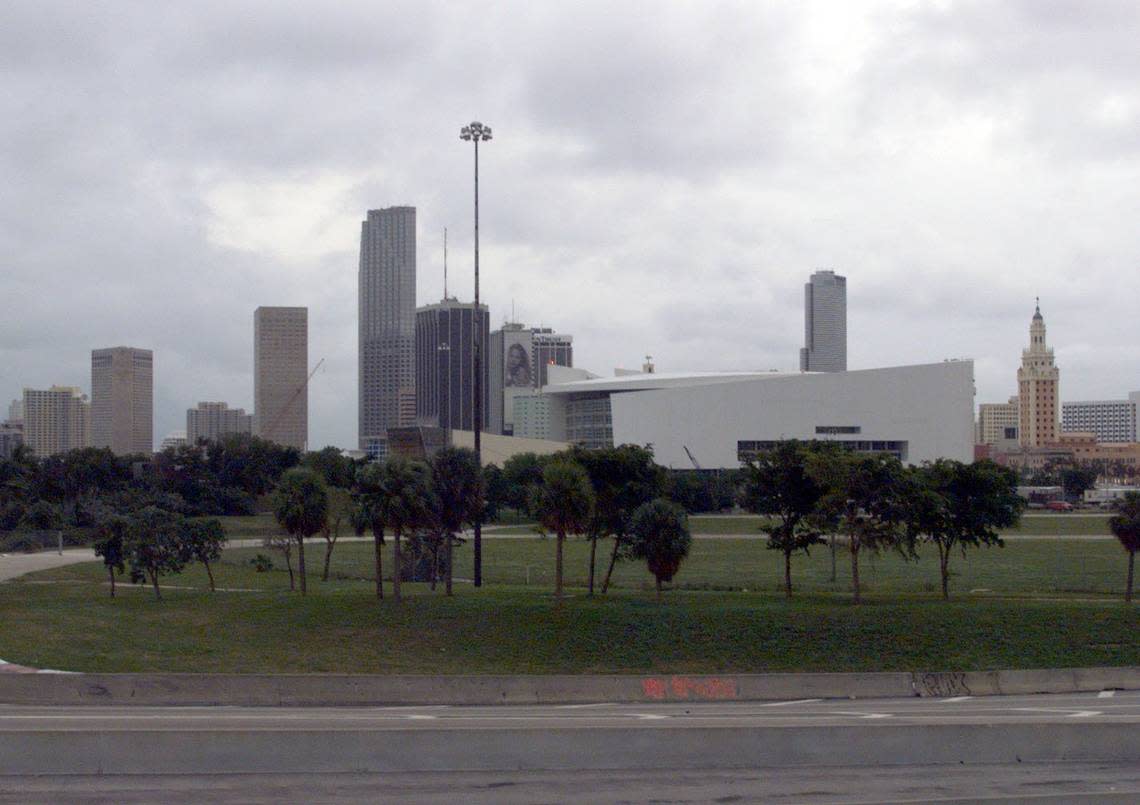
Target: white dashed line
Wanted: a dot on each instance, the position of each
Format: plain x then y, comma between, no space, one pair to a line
1106,694
795,701
865,715
953,699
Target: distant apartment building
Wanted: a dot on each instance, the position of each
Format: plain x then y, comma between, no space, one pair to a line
386,326
1039,389
997,423
56,420
445,370
11,437
825,323
122,400
1111,420
16,412
213,420
519,360
173,440
539,416
280,375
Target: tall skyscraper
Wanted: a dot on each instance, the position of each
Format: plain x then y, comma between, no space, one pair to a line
387,326
56,420
1039,389
519,358
281,375
122,400
213,420
445,371
825,323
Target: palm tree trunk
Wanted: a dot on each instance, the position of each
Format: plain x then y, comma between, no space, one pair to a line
377,537
328,560
210,573
450,554
944,564
787,574
658,589
593,553
111,573
399,567
613,561
301,563
558,569
857,598
154,583
831,546
289,564
1128,589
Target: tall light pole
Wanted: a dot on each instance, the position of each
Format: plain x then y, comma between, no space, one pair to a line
474,132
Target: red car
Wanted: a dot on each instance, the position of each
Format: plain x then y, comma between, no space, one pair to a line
1059,506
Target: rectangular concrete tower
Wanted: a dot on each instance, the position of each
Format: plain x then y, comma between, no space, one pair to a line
281,374
122,400
825,323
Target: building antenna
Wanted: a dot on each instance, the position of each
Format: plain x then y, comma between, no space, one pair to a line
445,264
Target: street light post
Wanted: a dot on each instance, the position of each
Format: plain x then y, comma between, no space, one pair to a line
474,132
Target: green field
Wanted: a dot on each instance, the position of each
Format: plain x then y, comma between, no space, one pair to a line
1033,603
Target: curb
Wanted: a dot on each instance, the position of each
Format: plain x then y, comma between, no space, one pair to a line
318,690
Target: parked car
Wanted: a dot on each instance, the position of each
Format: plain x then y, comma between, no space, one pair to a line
1059,506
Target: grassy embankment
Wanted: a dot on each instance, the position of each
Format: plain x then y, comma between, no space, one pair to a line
1031,604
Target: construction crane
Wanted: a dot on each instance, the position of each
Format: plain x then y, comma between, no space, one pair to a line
267,433
692,458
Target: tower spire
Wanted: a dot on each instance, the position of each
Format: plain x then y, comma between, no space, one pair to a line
445,263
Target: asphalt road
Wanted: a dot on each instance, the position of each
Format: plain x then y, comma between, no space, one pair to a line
1041,749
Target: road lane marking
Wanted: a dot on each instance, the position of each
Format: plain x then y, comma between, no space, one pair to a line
864,715
582,706
1106,694
649,716
420,717
1059,711
953,699
794,701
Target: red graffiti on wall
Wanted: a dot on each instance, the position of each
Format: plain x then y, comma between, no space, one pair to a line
684,687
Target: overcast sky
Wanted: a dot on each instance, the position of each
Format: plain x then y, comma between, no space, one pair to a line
664,178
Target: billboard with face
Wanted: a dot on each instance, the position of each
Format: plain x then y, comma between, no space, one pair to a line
517,371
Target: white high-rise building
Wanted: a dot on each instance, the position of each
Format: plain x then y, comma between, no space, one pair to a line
1110,420
825,323
387,326
281,375
56,420
122,400
997,423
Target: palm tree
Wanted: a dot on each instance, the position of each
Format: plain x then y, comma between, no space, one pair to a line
564,503
457,494
301,505
367,515
1125,524
403,504
661,537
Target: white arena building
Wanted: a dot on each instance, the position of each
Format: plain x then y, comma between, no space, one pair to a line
713,420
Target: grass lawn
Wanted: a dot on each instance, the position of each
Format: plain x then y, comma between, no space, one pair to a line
1036,604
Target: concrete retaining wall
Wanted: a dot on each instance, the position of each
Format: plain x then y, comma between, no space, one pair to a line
218,751
326,690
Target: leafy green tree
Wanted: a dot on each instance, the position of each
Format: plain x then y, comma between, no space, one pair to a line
956,505
864,500
778,485
153,545
1077,479
249,463
301,506
202,541
494,492
42,516
660,536
521,474
563,503
457,495
110,544
404,504
1125,524
336,469
367,514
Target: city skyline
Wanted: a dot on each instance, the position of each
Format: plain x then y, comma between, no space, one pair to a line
949,203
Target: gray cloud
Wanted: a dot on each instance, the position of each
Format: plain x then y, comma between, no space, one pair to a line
663,179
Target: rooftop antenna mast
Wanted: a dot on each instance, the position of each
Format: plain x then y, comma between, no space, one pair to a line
445,263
